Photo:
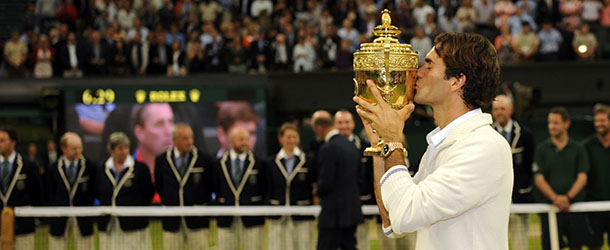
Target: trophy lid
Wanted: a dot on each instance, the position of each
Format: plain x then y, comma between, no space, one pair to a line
371,56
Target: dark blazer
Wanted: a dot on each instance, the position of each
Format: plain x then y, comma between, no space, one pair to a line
64,56
135,188
105,53
250,191
367,190
194,188
61,193
155,66
296,187
522,147
338,167
25,189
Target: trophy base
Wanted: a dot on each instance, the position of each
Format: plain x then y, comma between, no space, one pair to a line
372,151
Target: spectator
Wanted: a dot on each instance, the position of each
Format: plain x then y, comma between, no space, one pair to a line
43,58
137,27
448,22
193,24
102,22
259,7
514,23
213,52
209,11
175,67
45,11
421,12
345,57
550,40
349,34
166,14
503,44
560,174
30,20
571,11
330,48
528,6
421,43
526,44
503,10
259,53
591,10
174,34
15,54
585,44
548,9
97,55
138,55
484,13
67,13
304,56
281,52
160,54
430,27
126,16
466,16
72,57
195,58
184,9
120,59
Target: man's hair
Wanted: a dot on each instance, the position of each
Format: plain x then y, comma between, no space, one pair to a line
475,57
230,112
324,121
63,141
179,126
137,114
601,109
287,126
563,112
12,135
116,139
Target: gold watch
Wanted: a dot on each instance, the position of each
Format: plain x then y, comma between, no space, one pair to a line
389,147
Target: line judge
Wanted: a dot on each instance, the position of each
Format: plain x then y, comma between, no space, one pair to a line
460,198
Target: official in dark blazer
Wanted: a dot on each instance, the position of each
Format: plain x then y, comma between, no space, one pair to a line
290,178
338,170
20,185
240,180
123,181
183,178
521,142
69,182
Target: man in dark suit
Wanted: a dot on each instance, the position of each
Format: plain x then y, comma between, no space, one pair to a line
138,55
20,185
51,154
160,55
521,142
71,57
239,179
123,181
290,180
97,55
182,178
69,182
339,165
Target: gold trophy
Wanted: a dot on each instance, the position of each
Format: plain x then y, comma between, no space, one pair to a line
391,65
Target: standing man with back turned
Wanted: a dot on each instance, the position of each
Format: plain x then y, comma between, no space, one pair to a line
460,197
338,170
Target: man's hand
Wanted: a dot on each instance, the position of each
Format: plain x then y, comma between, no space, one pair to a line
387,122
562,203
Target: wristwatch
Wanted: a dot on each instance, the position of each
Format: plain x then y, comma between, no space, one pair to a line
389,147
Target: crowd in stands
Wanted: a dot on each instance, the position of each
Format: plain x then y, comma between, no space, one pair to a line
75,38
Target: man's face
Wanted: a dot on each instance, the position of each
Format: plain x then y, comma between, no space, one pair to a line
7,146
184,140
431,86
344,122
240,142
156,133
120,152
51,146
250,127
501,111
557,125
290,139
73,148
602,124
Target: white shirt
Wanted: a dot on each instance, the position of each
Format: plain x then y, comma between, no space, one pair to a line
331,134
234,155
128,163
72,54
460,198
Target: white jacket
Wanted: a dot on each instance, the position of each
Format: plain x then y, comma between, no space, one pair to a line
459,199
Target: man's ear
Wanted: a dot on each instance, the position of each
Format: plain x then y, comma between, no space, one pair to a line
459,82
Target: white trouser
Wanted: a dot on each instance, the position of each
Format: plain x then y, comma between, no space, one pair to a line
116,239
24,241
288,234
72,230
517,231
195,239
238,235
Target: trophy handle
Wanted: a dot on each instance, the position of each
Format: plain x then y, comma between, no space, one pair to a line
356,89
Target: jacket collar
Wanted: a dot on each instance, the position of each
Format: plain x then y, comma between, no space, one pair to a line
331,134
282,154
438,135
